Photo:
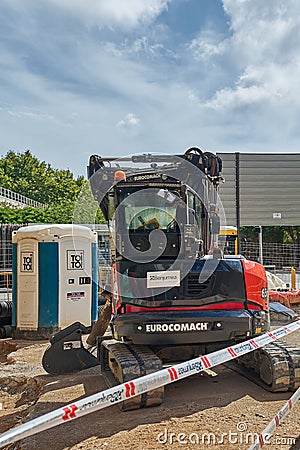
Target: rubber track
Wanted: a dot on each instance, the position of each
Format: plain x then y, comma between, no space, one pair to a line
149,362
131,361
294,358
275,367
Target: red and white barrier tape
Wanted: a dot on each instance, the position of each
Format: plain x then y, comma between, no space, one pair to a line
264,437
141,385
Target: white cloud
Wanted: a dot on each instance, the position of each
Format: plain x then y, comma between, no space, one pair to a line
146,47
130,121
264,51
126,14
121,14
206,45
264,31
234,98
30,114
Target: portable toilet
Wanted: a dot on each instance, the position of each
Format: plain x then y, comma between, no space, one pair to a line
55,279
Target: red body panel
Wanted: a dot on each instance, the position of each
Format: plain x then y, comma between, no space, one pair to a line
255,282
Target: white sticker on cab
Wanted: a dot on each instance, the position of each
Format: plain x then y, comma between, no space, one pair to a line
163,278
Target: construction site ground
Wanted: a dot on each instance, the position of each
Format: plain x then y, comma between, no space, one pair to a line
215,410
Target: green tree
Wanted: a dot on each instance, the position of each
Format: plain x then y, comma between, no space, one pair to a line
25,174
292,235
57,189
270,234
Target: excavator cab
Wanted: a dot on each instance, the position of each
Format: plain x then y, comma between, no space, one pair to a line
148,223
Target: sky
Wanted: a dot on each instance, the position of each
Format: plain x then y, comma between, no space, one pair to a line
116,77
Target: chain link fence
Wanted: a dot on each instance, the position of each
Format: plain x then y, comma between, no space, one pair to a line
6,260
279,255
277,258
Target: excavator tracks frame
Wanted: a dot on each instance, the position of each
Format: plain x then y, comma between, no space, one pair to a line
275,367
121,363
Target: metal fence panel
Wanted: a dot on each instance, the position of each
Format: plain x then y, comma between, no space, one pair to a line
267,186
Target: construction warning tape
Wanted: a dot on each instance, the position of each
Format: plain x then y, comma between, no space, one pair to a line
141,385
264,437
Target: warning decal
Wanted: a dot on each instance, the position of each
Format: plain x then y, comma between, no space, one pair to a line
26,261
75,259
75,295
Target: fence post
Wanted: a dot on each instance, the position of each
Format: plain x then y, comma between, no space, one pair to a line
293,278
260,240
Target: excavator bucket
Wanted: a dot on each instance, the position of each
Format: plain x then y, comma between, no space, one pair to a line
67,353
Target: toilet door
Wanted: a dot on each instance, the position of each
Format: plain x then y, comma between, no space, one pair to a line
27,285
75,281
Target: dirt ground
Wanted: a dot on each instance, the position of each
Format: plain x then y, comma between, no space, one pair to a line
220,410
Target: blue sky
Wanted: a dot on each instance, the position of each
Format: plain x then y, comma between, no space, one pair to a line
116,77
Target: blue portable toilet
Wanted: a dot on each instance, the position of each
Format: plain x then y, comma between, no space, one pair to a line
55,279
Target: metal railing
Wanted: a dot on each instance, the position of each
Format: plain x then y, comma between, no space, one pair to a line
8,196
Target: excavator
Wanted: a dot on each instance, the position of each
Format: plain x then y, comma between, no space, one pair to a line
174,294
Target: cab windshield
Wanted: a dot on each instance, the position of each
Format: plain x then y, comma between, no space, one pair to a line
141,218
144,211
